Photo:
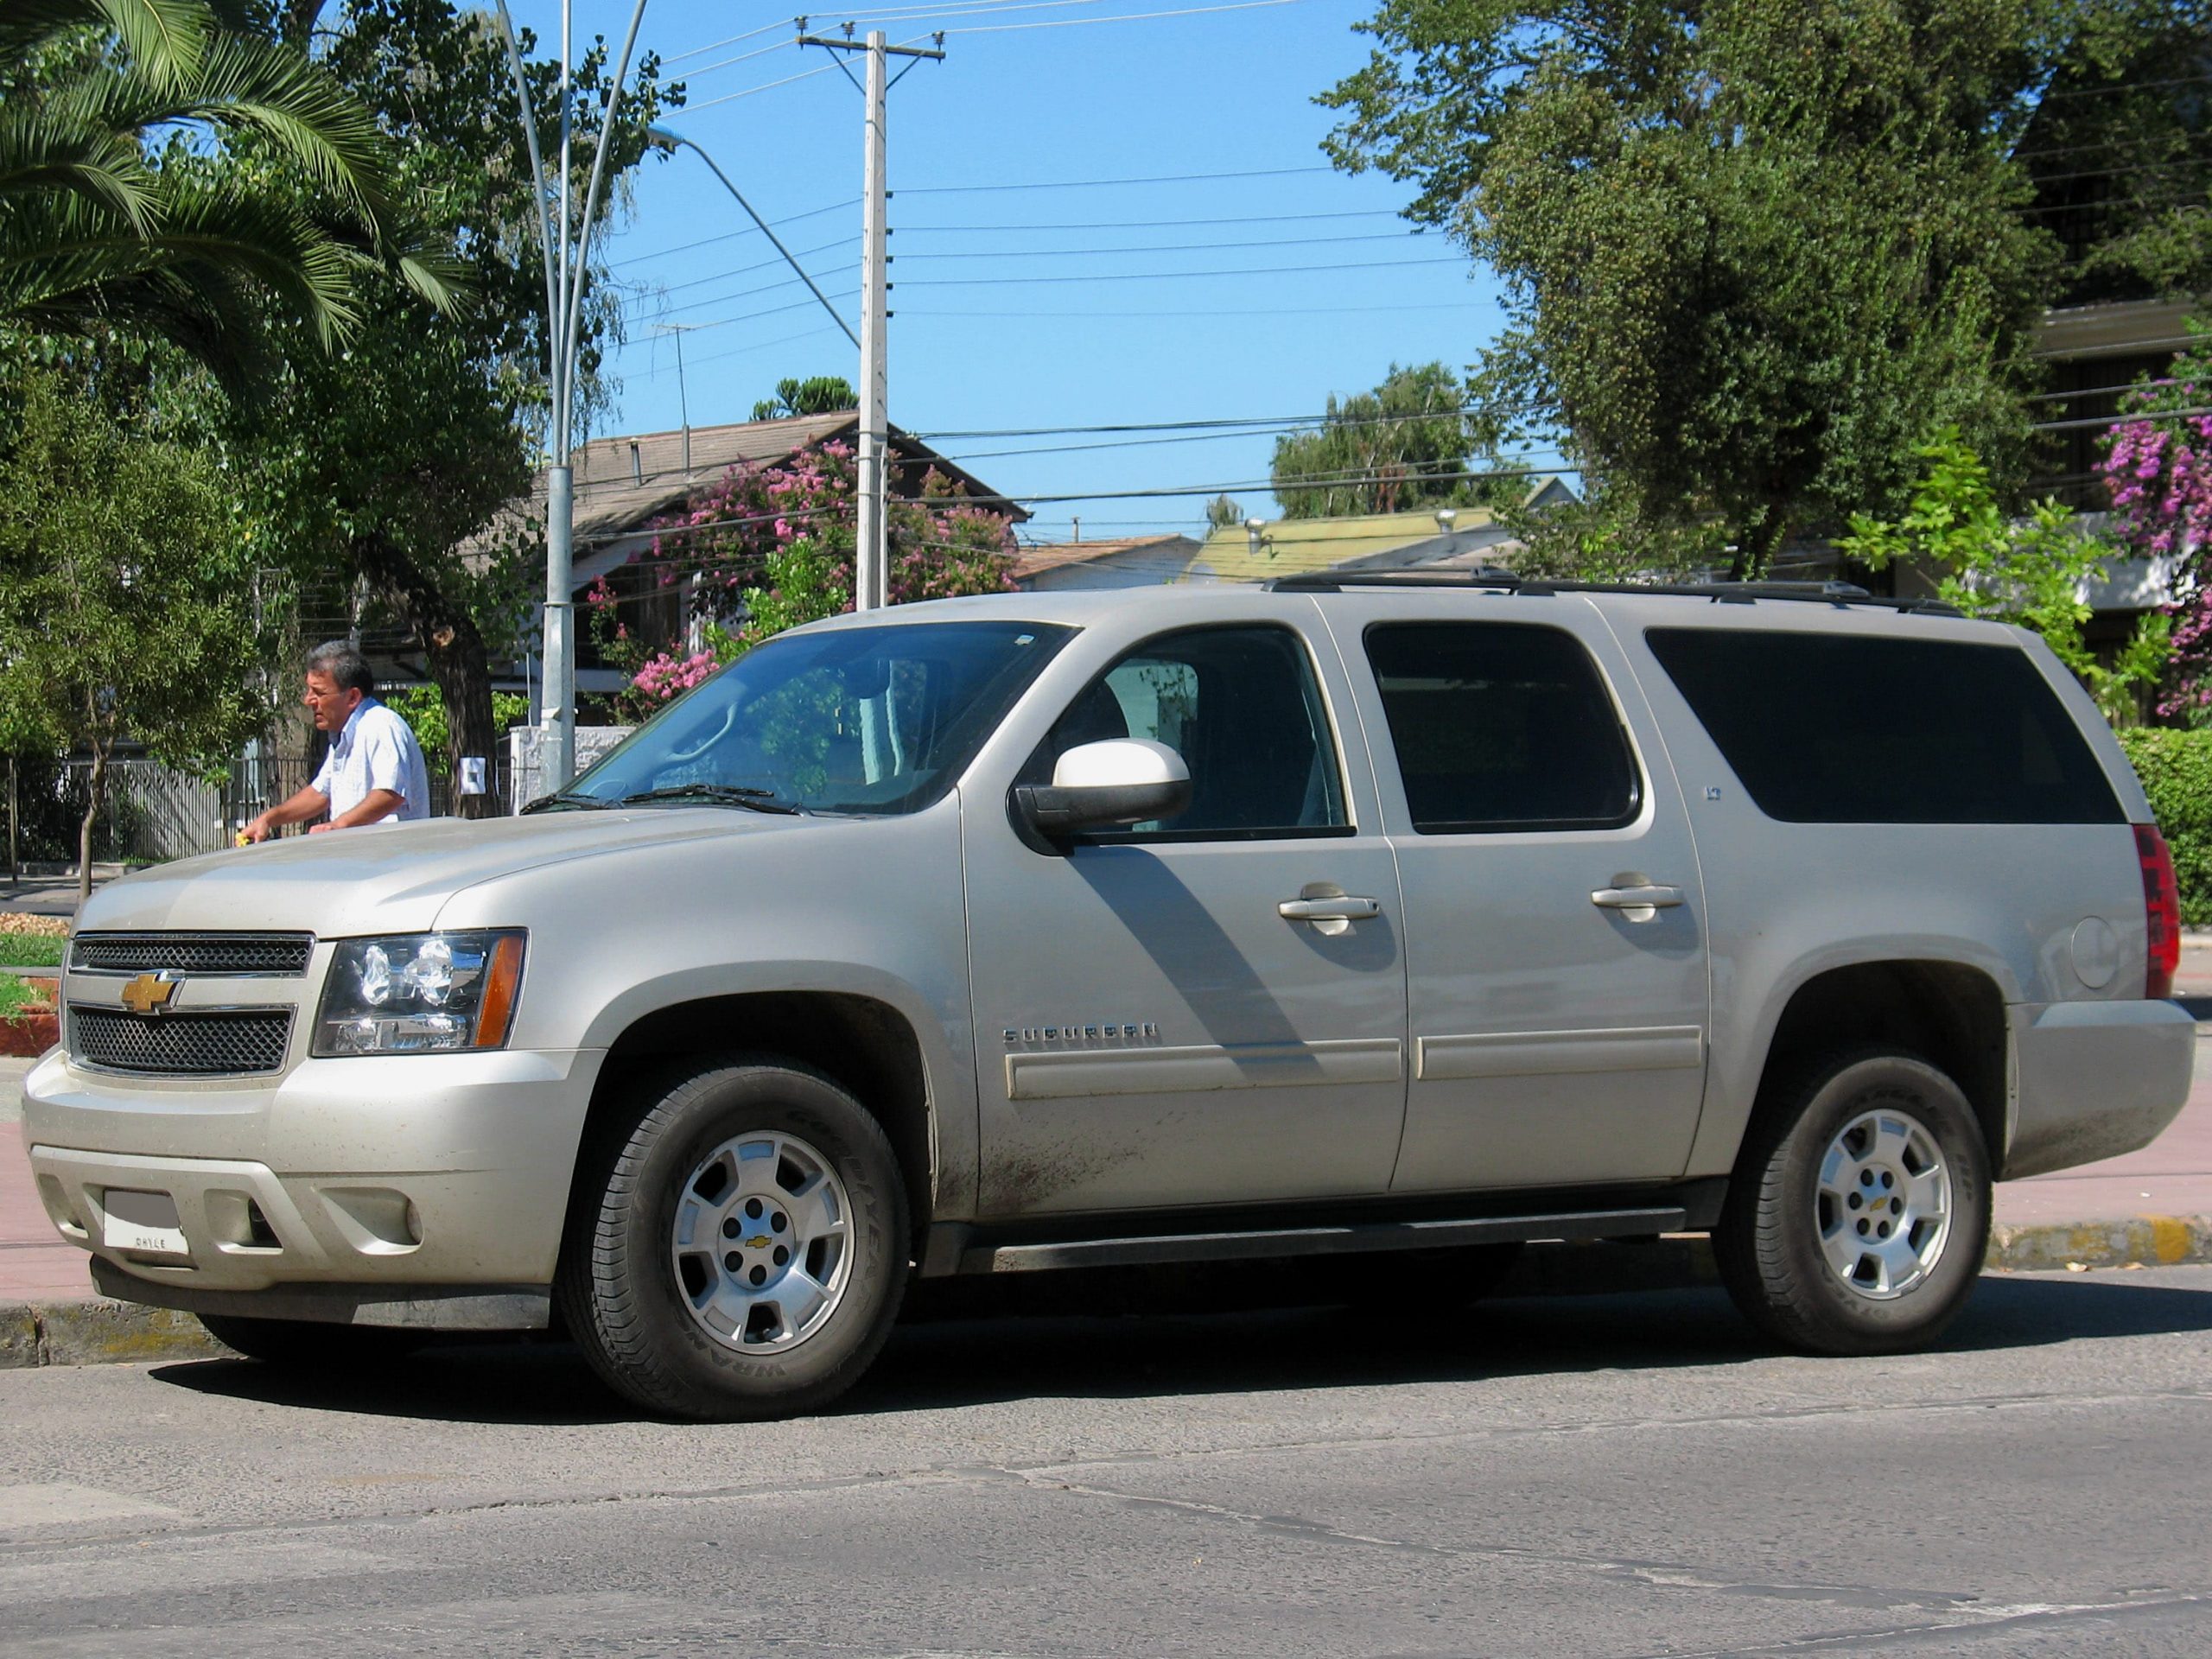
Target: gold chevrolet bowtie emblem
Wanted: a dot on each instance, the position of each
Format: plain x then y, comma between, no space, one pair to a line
760,1243
149,992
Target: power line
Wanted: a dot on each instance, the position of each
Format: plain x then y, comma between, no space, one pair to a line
690,75
1278,489
1127,17
1147,224
733,39
1242,311
1167,247
649,292
737,294
748,350
1180,276
1207,424
1087,184
752,316
728,236
766,87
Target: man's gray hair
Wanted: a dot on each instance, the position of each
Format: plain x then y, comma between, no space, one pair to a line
347,668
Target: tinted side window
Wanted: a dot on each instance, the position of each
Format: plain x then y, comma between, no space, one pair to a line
1501,726
1241,706
1830,729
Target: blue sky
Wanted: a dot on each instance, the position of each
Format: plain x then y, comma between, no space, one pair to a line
993,157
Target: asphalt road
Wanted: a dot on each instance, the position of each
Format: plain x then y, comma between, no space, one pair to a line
1621,1476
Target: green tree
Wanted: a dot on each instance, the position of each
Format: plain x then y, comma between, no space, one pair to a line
395,462
2120,153
822,394
125,572
1222,512
2031,571
1406,445
125,204
1752,250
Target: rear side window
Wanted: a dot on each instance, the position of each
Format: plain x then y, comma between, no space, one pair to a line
1831,728
1501,726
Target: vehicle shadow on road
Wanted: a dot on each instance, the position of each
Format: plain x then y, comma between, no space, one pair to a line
1220,1333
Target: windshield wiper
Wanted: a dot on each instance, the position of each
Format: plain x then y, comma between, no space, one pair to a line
754,800
559,798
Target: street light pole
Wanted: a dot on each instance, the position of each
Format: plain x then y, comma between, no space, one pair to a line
566,251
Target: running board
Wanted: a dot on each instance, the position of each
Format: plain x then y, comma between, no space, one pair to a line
1313,1241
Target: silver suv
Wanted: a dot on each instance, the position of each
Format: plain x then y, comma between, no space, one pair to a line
1052,931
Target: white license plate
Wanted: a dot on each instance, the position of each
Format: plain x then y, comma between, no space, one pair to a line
143,1221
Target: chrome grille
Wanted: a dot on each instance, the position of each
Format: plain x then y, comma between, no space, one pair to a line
180,1045
272,955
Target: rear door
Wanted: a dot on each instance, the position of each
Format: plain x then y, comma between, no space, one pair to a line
1556,939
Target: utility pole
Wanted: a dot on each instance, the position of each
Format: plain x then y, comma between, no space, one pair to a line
870,576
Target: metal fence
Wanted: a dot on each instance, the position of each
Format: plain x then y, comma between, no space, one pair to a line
154,813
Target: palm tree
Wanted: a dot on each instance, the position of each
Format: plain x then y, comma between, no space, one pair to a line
99,231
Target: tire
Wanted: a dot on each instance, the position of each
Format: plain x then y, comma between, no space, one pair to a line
311,1344
737,1249
1858,1215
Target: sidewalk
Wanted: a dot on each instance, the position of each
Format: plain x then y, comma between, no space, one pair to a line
49,895
2151,1206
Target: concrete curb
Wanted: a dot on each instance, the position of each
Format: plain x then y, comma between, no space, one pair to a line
97,1331
2145,1241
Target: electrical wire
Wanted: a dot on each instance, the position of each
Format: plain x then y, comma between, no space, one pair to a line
1127,17
1088,184
766,87
729,236
1168,247
1144,224
1032,315
1180,275
733,39
647,292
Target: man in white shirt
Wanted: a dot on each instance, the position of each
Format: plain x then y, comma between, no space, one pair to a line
374,773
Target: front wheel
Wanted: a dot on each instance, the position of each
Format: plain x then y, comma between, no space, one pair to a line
1858,1213
739,1250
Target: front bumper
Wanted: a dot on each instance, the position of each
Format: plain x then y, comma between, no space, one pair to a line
450,1170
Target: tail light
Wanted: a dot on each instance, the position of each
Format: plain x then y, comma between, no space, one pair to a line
2161,910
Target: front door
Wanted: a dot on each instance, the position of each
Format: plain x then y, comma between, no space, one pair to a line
1556,942
1153,1029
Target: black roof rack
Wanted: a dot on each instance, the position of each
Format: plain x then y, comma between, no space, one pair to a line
1817,593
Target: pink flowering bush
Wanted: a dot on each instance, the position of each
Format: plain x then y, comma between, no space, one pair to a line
2158,468
777,540
668,675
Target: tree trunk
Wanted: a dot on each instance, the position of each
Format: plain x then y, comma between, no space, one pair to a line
95,792
459,665
1755,551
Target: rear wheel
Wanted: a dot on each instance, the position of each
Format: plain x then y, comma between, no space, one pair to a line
310,1343
1858,1214
740,1251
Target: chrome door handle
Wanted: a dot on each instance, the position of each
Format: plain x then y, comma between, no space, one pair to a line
1342,909
1643,898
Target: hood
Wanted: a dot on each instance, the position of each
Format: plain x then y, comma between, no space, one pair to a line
388,877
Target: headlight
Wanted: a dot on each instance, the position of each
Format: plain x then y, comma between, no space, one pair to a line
419,993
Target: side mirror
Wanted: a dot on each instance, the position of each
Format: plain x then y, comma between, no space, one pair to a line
1121,781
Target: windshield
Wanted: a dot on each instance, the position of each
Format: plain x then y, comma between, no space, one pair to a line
868,719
